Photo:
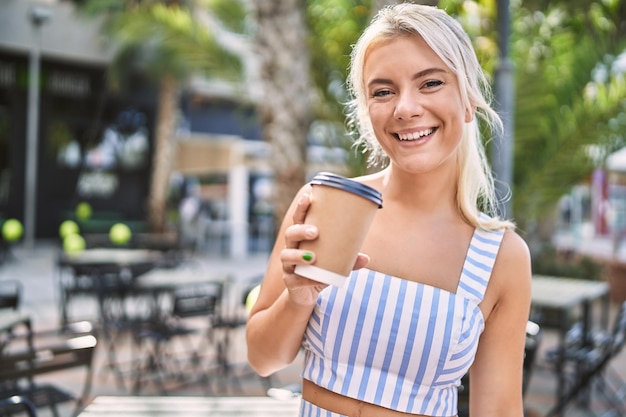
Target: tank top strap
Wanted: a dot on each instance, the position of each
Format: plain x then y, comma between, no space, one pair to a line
479,262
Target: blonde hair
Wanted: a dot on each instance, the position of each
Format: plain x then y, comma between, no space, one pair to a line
445,36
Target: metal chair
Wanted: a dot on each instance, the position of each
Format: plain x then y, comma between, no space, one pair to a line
227,324
71,348
590,368
173,345
10,299
10,294
17,404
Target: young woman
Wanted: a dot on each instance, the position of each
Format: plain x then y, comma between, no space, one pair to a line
442,285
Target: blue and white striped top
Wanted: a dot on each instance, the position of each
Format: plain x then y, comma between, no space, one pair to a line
400,344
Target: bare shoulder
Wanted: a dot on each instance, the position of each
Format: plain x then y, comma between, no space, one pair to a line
512,269
511,276
513,250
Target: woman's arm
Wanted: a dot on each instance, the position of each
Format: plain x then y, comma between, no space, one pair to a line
277,321
496,375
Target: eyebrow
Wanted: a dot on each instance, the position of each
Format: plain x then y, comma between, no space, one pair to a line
415,76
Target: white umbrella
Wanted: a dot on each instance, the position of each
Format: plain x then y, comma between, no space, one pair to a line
617,161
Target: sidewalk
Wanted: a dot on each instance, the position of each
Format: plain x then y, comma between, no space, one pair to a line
37,271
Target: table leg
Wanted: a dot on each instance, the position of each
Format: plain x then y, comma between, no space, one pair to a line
585,397
560,362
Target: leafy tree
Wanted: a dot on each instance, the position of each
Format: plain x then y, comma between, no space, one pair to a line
337,26
164,42
561,108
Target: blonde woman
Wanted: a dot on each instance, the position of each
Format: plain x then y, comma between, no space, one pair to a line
442,285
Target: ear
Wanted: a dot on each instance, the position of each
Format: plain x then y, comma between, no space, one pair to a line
469,114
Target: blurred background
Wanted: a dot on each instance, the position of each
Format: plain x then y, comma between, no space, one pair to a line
185,128
202,118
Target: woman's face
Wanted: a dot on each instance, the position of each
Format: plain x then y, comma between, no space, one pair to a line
414,104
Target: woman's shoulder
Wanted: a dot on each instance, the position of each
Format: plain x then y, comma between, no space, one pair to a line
513,264
511,277
511,250
514,246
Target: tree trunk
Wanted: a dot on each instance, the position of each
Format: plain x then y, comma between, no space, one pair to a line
285,104
163,154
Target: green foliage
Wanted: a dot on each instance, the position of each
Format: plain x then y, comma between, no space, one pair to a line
560,111
336,26
230,13
161,39
548,262
478,18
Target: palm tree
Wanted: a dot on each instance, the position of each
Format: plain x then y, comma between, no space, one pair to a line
163,41
286,100
561,108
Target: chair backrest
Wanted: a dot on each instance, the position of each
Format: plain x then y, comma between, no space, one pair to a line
20,370
10,294
70,353
198,300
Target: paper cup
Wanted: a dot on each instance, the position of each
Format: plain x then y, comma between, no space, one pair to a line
343,210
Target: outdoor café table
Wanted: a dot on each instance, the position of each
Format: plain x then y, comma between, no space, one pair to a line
106,275
564,296
158,289
89,268
152,406
169,279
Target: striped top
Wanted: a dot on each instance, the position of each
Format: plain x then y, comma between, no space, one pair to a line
400,344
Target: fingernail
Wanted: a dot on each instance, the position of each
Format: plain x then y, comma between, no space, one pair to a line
310,231
305,195
307,256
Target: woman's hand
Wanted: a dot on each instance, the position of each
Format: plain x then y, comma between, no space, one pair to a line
278,319
303,291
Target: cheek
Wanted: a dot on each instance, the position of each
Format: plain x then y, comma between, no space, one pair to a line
376,115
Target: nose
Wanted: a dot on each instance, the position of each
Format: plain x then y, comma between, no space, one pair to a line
408,104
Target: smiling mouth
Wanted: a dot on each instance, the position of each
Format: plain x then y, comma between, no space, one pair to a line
415,135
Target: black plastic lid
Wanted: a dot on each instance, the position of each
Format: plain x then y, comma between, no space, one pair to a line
346,184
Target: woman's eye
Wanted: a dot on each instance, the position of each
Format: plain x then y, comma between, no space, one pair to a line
381,93
433,83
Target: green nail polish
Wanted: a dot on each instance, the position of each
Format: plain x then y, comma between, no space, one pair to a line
307,256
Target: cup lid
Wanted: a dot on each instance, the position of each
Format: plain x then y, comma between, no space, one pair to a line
337,181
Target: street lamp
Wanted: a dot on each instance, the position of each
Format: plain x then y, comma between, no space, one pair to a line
502,148
38,16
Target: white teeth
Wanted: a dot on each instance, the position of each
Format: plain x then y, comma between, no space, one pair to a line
415,135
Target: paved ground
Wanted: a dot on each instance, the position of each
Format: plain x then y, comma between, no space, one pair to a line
36,269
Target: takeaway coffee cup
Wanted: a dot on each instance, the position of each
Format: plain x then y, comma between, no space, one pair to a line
342,210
